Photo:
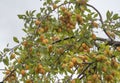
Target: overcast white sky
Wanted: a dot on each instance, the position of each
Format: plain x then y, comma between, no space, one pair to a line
11,26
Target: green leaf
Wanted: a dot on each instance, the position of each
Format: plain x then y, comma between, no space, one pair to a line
6,50
6,61
95,15
33,11
15,39
27,13
115,17
109,14
21,16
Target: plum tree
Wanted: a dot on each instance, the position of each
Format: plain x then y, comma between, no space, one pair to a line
61,41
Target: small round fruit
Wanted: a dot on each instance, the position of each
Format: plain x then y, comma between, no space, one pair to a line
54,6
93,36
26,67
12,78
94,77
94,24
28,81
19,60
40,30
74,60
50,48
12,56
108,77
23,72
73,81
45,41
37,22
104,69
89,81
25,43
118,49
63,8
84,45
64,65
7,72
82,2
71,64
60,50
42,71
40,66
42,37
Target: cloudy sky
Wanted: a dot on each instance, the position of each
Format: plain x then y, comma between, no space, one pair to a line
11,26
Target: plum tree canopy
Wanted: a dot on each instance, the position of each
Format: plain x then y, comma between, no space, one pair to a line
61,45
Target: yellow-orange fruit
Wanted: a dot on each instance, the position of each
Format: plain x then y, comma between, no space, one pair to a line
42,71
74,60
113,73
12,77
50,48
83,57
25,43
36,70
28,81
94,24
37,22
26,67
118,49
71,64
79,18
94,76
73,81
84,45
40,66
45,41
104,69
59,30
89,81
7,72
93,36
63,8
108,77
42,37
64,65
82,2
19,60
54,6
60,50
45,29
12,56
55,38
40,30
106,52
23,72
101,58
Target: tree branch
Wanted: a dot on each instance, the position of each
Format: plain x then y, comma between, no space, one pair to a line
101,20
84,70
109,42
9,74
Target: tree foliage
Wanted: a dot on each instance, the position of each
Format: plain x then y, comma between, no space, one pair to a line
61,46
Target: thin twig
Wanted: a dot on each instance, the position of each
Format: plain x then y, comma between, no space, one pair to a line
72,74
101,20
84,70
9,74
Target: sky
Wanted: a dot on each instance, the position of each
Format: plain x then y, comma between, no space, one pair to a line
11,26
